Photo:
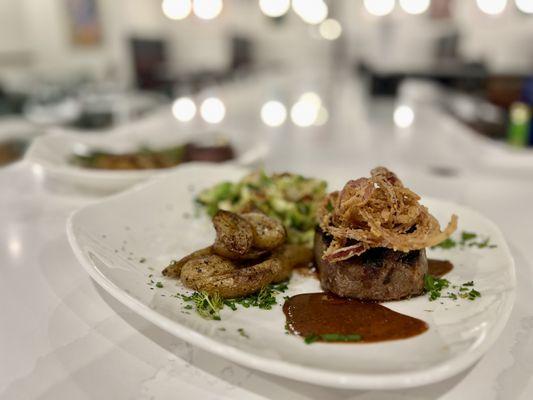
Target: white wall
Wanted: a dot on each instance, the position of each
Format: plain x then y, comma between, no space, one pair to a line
397,42
48,37
504,40
198,43
14,50
12,29
194,44
401,41
37,30
40,28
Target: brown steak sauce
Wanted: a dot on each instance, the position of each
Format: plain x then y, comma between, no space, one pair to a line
322,313
439,268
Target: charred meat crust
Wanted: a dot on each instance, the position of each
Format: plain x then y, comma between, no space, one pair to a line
379,274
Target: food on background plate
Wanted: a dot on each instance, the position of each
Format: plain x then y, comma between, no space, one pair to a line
249,253
12,150
371,239
289,198
147,158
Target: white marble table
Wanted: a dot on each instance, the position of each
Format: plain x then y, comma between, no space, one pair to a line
62,337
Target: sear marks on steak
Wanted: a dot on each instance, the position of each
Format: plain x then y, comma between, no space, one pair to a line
379,274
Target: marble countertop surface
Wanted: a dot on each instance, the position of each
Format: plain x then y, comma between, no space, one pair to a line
63,337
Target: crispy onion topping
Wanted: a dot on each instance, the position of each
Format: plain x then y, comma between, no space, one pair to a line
378,212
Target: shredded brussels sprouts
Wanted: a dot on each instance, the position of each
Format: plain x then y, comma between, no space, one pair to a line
292,199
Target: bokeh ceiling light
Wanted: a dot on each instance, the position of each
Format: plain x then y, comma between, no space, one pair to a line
273,113
38,172
176,9
213,110
311,98
311,11
207,9
303,114
404,116
183,109
525,6
415,7
274,8
492,7
330,29
14,246
299,6
379,8
306,110
322,117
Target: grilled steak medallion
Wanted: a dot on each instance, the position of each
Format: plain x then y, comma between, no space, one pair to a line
373,238
379,274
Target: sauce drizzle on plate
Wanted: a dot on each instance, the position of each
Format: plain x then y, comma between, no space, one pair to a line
438,268
322,314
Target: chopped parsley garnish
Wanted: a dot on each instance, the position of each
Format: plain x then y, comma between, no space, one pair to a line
332,337
434,286
466,236
471,295
448,243
243,333
207,306
153,284
485,243
468,239
452,296
264,299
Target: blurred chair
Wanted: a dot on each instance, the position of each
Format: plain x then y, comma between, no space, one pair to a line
150,65
242,58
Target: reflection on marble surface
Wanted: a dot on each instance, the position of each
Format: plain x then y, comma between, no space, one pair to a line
65,334
63,338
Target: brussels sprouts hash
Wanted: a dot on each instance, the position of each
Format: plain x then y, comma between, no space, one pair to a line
290,198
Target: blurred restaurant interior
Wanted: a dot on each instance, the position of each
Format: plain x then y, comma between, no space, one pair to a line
94,66
440,91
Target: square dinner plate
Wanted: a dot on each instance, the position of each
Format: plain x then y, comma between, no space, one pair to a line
125,241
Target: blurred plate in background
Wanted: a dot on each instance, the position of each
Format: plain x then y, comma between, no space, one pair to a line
55,154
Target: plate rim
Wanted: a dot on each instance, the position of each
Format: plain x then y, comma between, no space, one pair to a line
402,380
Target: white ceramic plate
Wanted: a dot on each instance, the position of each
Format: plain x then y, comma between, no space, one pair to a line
154,223
52,154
